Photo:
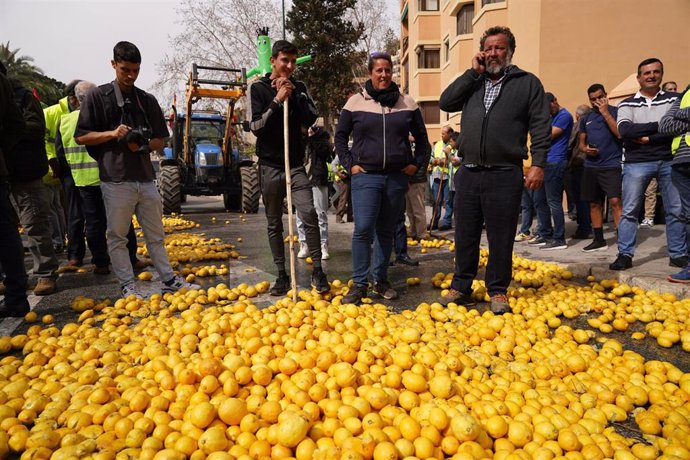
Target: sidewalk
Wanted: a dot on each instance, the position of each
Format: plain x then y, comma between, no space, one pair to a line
650,264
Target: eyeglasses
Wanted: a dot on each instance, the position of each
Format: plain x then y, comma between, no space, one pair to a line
380,55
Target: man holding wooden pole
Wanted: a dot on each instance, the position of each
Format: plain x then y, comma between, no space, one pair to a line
273,97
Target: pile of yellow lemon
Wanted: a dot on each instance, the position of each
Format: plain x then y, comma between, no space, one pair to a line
172,223
193,247
208,375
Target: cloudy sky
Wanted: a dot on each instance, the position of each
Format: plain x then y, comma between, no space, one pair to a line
74,38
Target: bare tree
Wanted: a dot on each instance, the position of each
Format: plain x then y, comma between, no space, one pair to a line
374,16
214,33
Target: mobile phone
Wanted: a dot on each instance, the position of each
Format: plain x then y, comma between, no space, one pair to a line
592,146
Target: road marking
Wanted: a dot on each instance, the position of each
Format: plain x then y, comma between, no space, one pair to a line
9,325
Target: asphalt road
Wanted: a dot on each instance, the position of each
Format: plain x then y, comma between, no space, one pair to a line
248,233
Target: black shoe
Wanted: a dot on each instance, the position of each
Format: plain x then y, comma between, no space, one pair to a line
383,289
406,260
281,286
444,227
622,262
319,281
554,245
6,312
431,227
537,241
680,262
596,245
581,236
355,295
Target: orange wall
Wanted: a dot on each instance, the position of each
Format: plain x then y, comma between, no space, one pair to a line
568,44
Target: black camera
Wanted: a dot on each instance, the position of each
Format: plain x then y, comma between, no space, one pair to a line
137,139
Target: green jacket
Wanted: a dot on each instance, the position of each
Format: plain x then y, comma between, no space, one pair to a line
52,115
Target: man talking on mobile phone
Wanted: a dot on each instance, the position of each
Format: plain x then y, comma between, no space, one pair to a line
500,105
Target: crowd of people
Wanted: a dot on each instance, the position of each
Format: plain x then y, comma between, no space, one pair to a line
516,153
89,155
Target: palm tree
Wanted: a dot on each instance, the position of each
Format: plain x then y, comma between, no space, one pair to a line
22,70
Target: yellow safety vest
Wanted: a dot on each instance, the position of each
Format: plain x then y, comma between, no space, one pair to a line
52,115
84,168
438,153
675,145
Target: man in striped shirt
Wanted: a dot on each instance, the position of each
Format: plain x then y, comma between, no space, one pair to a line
647,155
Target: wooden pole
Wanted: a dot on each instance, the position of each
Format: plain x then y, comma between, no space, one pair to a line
288,190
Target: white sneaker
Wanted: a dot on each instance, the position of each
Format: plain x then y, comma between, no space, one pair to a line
178,283
324,252
131,289
303,251
646,223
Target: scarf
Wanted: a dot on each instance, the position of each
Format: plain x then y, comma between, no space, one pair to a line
386,97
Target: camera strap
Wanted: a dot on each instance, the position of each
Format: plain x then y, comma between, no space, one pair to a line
121,103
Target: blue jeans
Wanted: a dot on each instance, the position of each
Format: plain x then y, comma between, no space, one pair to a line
535,200
636,177
680,176
553,185
491,196
444,201
376,201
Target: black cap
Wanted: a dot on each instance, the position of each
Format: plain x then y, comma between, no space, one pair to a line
550,97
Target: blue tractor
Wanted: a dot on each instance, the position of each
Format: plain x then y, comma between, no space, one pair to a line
204,158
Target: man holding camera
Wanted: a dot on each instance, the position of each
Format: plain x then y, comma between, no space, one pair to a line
120,125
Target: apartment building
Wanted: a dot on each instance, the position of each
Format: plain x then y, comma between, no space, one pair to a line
568,44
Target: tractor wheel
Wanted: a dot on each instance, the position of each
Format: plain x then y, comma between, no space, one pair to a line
250,189
170,189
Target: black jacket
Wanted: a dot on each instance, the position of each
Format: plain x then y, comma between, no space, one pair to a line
319,154
11,124
499,137
266,122
28,159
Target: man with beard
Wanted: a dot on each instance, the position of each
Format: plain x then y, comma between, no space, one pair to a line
500,105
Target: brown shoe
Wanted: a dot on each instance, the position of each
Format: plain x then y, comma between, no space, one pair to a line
45,286
499,304
458,298
104,270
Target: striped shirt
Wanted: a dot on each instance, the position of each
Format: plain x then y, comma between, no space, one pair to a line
638,116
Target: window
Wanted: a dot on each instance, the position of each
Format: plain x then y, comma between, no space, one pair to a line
465,16
430,112
486,2
428,5
429,58
446,50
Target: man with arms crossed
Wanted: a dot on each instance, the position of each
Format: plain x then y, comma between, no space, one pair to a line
647,154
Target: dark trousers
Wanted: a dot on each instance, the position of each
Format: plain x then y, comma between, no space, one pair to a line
344,203
76,247
273,191
96,222
12,255
493,197
400,235
584,221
